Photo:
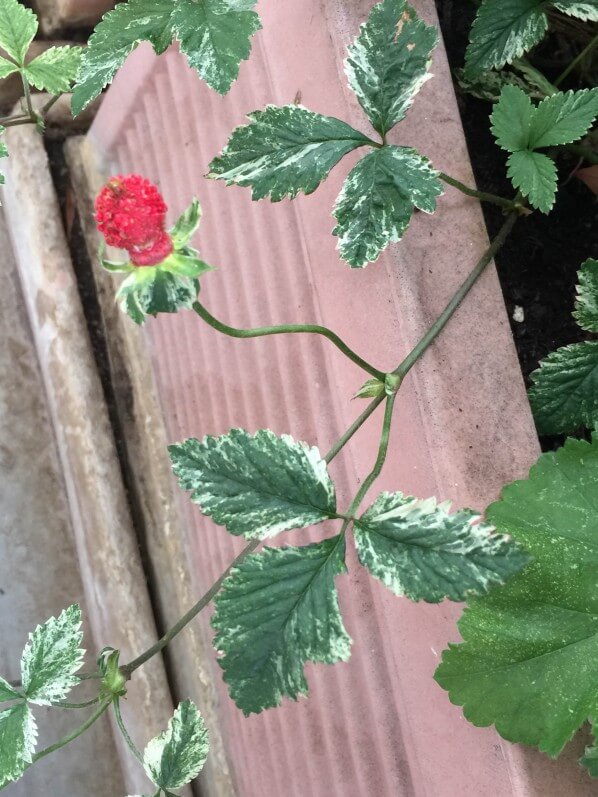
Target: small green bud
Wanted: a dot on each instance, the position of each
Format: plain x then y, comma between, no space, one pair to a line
392,383
114,681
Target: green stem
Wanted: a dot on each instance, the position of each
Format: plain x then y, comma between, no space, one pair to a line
27,93
86,704
483,196
456,300
72,736
119,721
357,424
287,329
576,61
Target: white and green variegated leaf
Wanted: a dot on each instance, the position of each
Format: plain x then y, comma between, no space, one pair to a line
177,755
284,151
55,69
502,31
115,38
535,175
389,61
276,611
582,9
18,26
564,393
590,758
417,549
186,225
7,68
215,35
377,201
563,118
586,303
512,118
51,658
18,737
7,692
255,485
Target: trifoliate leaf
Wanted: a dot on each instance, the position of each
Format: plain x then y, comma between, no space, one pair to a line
7,68
489,85
502,31
51,658
586,303
417,549
186,225
377,201
177,755
587,10
7,692
18,26
590,759
115,38
511,119
18,737
564,393
563,118
55,69
256,485
535,175
284,151
529,660
277,610
215,35
389,61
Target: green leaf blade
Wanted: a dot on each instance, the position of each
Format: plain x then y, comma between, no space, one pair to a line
114,39
417,549
255,485
588,10
176,756
18,737
529,660
55,69
51,658
18,26
586,303
512,118
276,611
7,68
535,175
215,35
504,30
377,201
284,151
7,692
563,118
186,225
389,61
590,758
564,391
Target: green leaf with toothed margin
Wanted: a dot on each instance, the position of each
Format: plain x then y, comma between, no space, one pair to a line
535,175
55,69
8,692
529,660
255,485
18,737
284,151
276,611
586,303
417,549
563,118
586,10
18,26
388,62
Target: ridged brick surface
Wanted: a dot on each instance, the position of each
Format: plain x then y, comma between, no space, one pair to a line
378,725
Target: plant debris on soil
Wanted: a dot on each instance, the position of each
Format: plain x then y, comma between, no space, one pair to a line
538,265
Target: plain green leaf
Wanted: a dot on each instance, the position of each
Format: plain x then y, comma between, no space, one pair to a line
114,38
51,658
55,69
511,119
417,549
587,10
18,737
563,118
535,175
590,759
283,151
277,610
186,225
586,303
18,26
377,201
7,68
215,35
529,660
256,485
564,393
7,692
177,755
389,61
502,31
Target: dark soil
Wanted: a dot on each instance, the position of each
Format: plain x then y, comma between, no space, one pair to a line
539,263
